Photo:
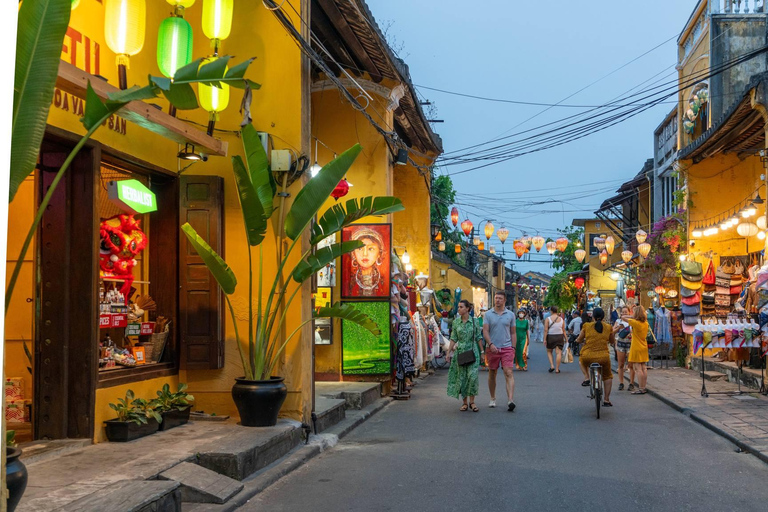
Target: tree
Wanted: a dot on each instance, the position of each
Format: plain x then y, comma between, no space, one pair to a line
561,291
443,195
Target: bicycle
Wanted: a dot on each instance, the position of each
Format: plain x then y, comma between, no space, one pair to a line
596,385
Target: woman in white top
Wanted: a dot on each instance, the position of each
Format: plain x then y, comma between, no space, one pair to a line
554,335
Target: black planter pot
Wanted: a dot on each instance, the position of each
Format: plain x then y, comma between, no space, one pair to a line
174,418
15,477
122,431
259,401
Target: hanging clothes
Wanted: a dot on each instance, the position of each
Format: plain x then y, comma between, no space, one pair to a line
663,325
405,352
420,335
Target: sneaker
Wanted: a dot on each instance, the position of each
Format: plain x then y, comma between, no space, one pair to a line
631,387
511,406
493,403
621,387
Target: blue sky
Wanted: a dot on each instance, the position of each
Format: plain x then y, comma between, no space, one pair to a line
536,52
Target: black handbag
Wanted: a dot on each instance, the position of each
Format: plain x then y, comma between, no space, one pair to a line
467,357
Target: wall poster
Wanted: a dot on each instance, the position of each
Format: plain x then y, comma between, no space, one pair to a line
323,298
326,276
323,331
365,272
362,352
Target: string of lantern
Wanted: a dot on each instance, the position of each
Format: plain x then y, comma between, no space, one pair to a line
740,216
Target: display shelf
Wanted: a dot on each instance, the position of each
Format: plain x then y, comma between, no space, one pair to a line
121,280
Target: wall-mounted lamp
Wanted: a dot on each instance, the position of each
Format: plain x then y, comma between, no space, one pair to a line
188,153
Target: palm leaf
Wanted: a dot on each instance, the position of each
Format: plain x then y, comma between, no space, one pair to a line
258,166
348,312
338,216
42,25
311,198
253,212
321,258
96,109
218,267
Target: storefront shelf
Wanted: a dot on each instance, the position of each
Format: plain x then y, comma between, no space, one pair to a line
125,375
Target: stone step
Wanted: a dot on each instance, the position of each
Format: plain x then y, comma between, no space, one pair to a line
713,376
131,496
247,450
328,412
200,485
750,377
358,395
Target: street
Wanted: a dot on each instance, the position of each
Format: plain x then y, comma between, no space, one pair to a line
551,453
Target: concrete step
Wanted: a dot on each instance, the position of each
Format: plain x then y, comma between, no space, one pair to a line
713,376
200,485
750,378
247,450
328,412
40,451
358,395
131,496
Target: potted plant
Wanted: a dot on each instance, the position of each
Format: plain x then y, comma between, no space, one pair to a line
135,418
259,394
173,407
15,471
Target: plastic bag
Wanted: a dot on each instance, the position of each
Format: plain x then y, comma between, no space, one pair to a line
567,355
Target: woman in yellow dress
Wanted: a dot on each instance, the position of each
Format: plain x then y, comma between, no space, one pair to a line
638,351
596,337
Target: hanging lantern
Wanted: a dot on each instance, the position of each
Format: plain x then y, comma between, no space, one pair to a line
124,26
551,247
502,233
561,243
454,216
217,21
174,45
538,242
341,189
599,243
476,241
761,223
747,229
519,248
481,246
659,290
578,283
466,226
441,246
214,100
644,249
457,248
603,257
640,236
439,236
610,244
488,230
580,255
626,256
527,241
492,250
180,5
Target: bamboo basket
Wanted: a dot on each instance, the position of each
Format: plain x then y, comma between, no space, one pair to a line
153,349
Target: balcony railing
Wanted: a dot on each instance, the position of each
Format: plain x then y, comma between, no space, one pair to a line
737,6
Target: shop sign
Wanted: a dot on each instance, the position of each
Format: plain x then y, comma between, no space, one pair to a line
132,196
105,321
120,320
147,328
133,330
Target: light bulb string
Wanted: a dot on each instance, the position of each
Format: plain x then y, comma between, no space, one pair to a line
727,214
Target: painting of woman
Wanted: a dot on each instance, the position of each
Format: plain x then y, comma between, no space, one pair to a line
366,270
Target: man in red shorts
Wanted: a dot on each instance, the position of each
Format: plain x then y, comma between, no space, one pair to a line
500,338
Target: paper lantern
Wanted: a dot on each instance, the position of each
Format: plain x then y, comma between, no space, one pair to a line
439,236
124,27
519,248
644,249
488,230
603,257
341,190
599,243
466,226
476,241
610,244
761,222
527,241
492,250
578,283
561,243
441,246
481,246
747,229
213,100
217,21
551,247
697,233
640,236
580,255
502,233
538,242
174,45
457,248
626,256
454,216
659,290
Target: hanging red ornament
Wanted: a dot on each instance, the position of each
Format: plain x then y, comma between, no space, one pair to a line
578,283
454,216
466,226
341,189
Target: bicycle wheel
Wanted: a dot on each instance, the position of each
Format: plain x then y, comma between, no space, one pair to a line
439,361
598,398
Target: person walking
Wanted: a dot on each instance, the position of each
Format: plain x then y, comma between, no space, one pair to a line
574,329
499,332
638,350
623,333
596,337
522,327
463,380
554,335
538,325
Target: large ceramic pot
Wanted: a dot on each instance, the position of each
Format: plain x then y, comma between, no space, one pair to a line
15,477
259,401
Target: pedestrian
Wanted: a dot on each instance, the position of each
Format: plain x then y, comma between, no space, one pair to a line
623,333
538,334
614,315
596,336
522,326
638,350
554,334
463,380
499,332
574,327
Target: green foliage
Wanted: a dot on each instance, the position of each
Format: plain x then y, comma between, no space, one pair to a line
337,216
443,195
561,292
217,266
147,409
10,438
167,401
127,410
350,313
566,261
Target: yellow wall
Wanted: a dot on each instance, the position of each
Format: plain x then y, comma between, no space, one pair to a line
695,64
411,227
450,280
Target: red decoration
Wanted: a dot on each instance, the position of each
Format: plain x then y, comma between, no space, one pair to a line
579,283
454,216
341,190
466,226
121,241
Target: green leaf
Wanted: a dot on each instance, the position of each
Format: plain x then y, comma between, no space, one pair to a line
338,216
188,72
96,109
218,267
129,395
348,312
212,71
253,212
42,25
181,96
258,166
238,71
311,198
240,84
161,82
321,258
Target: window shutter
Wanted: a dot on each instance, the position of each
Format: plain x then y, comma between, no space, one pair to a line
201,304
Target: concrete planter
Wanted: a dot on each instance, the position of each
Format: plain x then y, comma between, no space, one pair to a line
174,418
123,431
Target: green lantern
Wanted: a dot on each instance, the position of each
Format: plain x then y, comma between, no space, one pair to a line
174,45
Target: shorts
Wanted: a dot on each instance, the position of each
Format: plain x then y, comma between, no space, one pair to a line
505,356
604,361
623,346
555,340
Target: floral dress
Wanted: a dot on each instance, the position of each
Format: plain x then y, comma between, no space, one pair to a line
464,380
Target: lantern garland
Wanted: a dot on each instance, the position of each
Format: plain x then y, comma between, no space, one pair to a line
538,242
551,247
466,226
217,21
610,244
580,255
502,233
561,243
519,248
488,230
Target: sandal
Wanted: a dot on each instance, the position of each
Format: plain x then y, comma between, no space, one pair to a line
607,404
621,387
551,370
473,407
585,383
464,408
557,371
639,392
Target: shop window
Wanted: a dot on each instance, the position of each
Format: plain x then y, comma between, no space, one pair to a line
668,189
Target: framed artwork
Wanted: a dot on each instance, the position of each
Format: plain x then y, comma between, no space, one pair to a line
323,331
326,276
362,352
323,298
365,272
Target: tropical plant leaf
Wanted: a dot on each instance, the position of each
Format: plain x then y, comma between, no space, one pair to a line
238,71
181,96
338,216
258,166
314,194
42,25
96,109
218,267
188,72
348,312
253,212
241,83
211,72
321,258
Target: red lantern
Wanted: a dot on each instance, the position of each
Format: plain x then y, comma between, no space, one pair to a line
579,283
454,216
561,243
466,226
341,190
519,248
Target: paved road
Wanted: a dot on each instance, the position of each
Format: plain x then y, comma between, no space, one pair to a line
550,454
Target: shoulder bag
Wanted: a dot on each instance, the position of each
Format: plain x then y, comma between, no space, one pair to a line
709,276
467,357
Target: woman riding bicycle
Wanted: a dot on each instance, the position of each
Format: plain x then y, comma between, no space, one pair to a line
596,336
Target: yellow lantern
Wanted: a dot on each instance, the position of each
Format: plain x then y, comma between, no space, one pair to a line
641,236
580,255
185,4
481,246
610,244
502,233
603,257
644,249
492,250
626,256
439,236
488,230
457,248
551,247
124,26
217,21
441,246
212,99
538,242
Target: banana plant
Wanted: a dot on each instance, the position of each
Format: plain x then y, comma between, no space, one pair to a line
260,348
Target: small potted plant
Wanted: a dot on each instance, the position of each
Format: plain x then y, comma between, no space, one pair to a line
15,471
135,418
173,407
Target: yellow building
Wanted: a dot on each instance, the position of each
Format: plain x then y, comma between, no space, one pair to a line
447,274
